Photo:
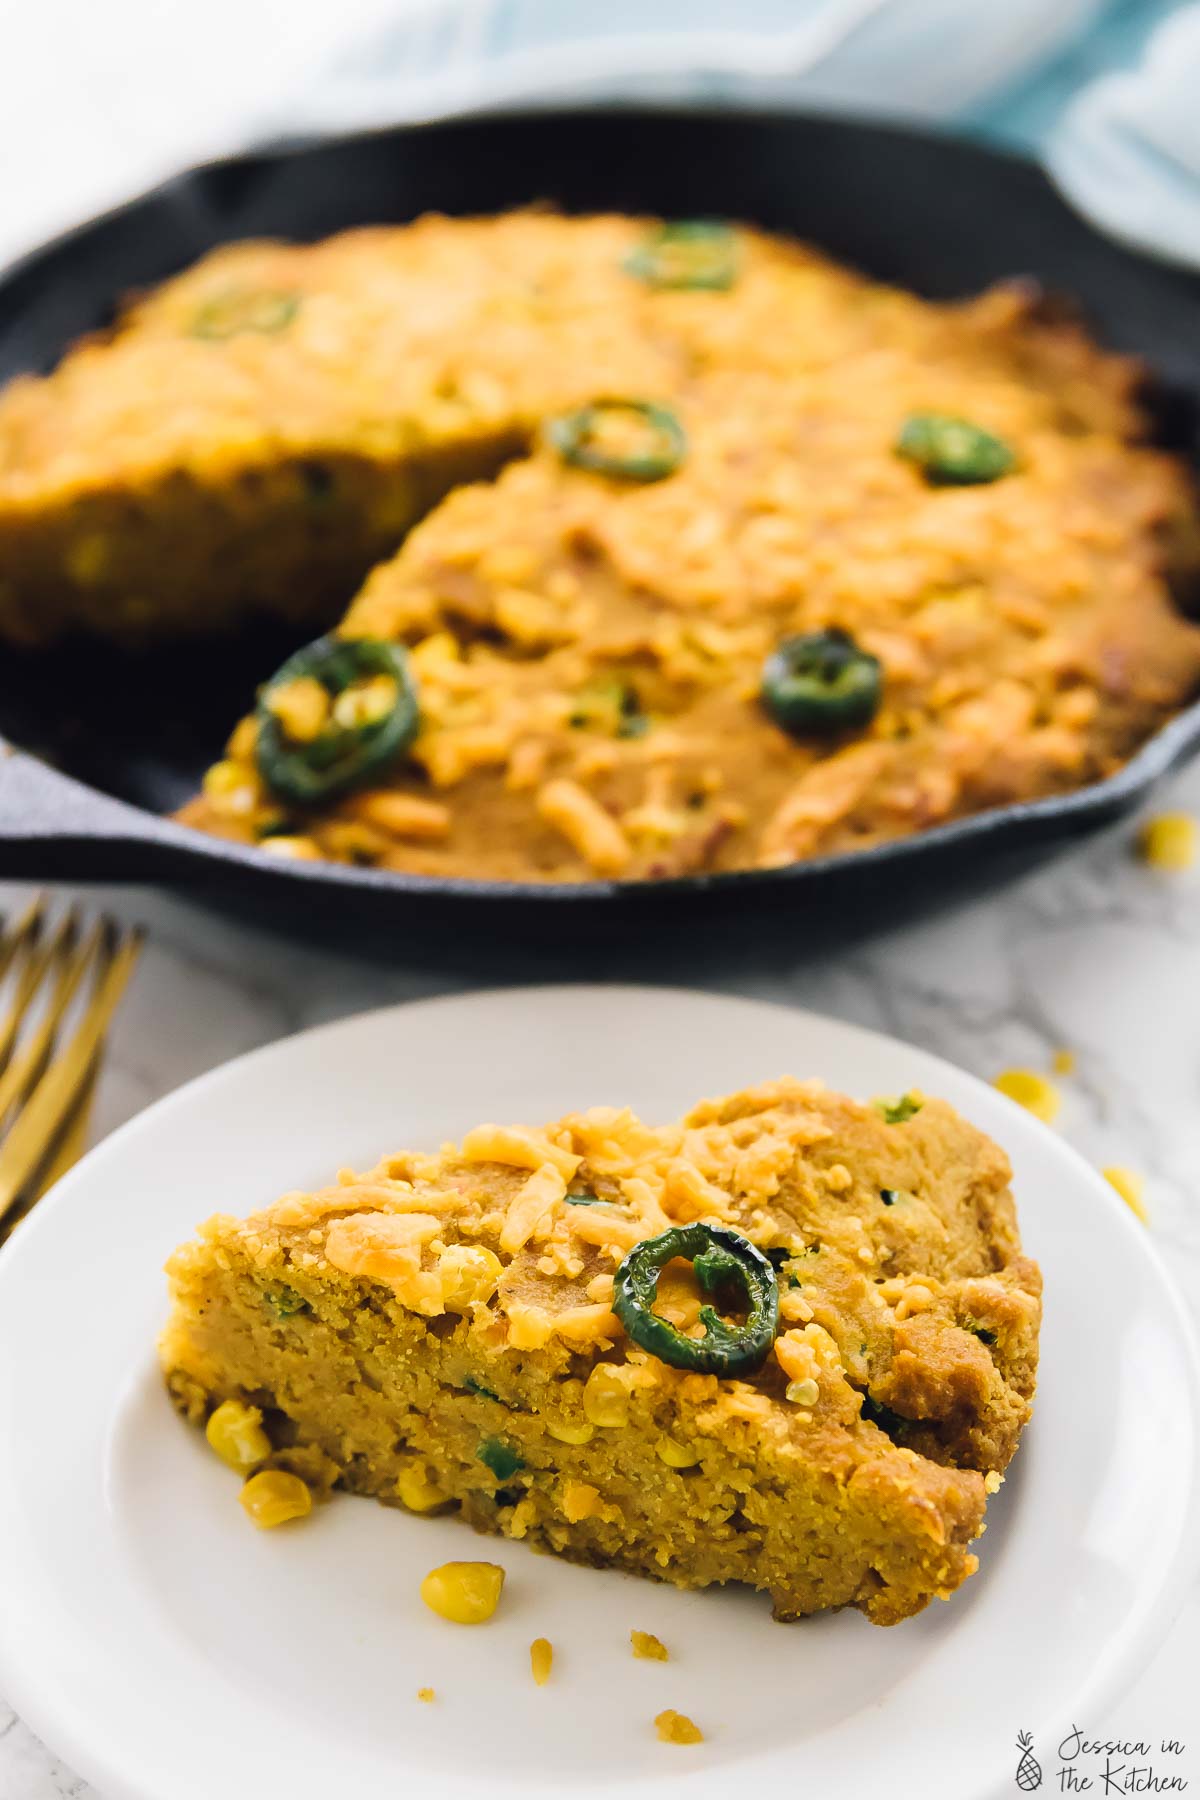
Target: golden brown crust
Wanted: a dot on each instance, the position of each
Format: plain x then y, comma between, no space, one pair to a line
401,1318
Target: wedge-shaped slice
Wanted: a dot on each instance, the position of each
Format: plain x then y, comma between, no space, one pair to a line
439,1333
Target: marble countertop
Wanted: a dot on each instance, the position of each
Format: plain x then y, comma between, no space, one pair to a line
1095,953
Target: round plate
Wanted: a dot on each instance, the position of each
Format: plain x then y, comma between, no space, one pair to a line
169,1652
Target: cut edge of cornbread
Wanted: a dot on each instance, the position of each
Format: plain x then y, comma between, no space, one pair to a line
391,1358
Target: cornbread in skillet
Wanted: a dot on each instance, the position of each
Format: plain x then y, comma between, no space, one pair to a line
440,1333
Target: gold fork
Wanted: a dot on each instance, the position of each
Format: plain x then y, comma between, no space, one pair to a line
50,1047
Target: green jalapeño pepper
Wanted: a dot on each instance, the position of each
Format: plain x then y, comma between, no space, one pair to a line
821,683
632,439
244,309
334,716
952,452
689,253
725,1264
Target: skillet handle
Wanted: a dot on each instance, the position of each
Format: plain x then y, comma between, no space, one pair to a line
55,828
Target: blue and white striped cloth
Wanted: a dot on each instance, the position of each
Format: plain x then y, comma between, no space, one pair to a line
1107,91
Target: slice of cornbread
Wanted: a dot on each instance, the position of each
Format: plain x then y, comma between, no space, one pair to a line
439,1332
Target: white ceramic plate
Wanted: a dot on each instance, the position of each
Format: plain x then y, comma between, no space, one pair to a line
169,1652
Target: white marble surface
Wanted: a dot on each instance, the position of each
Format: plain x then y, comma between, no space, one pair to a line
1096,953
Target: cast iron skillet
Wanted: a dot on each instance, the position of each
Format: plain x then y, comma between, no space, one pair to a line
130,735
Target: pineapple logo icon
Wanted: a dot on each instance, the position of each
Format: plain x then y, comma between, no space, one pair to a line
1029,1769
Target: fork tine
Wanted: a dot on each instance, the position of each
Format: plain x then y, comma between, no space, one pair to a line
36,1131
31,956
26,1068
27,926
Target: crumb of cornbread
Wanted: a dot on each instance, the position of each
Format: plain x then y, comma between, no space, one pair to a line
1032,1091
1169,841
438,1332
1131,1187
676,1728
646,1645
541,1660
426,1694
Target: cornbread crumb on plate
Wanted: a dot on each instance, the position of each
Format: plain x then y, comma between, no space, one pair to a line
541,1660
646,1645
778,1341
426,1693
1169,842
676,1728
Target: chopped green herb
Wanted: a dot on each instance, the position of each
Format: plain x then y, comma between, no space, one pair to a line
243,309
285,1302
581,1197
476,1387
889,1196
499,1457
896,1112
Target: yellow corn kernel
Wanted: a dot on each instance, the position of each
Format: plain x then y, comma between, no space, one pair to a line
416,1490
425,1694
580,1500
302,708
231,789
605,1398
1130,1186
570,1433
676,1728
274,1496
803,1393
648,1647
541,1660
1032,1091
243,741
440,647
236,1433
469,1275
298,849
1169,841
363,702
675,1454
466,1593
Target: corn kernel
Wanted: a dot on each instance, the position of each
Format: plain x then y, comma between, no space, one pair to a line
541,1660
466,1593
235,1432
570,1433
676,1728
231,789
803,1393
416,1490
364,702
1130,1186
605,1398
648,1647
425,1694
469,1275
243,741
274,1496
302,708
1169,841
1032,1091
441,647
297,849
580,1500
675,1454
